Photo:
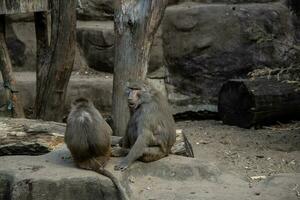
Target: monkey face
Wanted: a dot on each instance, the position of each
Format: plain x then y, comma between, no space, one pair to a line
134,98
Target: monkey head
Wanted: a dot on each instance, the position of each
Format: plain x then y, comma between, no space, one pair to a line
81,102
138,92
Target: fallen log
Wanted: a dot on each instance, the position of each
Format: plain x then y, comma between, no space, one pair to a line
34,137
245,102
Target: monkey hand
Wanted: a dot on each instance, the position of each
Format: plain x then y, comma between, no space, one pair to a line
119,152
116,152
123,165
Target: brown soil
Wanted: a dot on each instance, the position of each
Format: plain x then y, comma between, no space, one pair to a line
246,152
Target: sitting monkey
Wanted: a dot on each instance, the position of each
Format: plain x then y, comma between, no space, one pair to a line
151,129
88,139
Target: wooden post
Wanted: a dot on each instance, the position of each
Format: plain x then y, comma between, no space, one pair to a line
14,102
136,22
55,64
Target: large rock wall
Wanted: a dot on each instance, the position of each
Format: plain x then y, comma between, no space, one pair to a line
199,45
207,44
96,38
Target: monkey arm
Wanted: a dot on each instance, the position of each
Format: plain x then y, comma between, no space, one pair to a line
152,154
124,142
136,151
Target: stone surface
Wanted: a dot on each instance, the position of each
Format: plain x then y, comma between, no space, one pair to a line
104,10
17,47
207,44
294,6
96,38
101,10
278,185
199,45
97,88
95,10
22,45
95,41
53,176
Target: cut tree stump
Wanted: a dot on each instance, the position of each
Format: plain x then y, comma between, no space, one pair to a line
33,137
245,102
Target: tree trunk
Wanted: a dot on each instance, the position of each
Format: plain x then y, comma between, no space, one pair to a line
42,46
245,102
136,22
13,105
55,62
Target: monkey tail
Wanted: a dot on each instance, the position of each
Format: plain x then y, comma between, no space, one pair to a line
101,170
116,182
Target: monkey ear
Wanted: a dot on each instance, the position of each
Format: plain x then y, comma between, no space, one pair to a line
127,83
127,91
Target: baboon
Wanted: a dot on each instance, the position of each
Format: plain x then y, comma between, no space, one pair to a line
151,129
88,139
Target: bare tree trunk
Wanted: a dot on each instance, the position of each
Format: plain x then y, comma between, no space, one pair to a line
42,49
14,105
55,63
136,22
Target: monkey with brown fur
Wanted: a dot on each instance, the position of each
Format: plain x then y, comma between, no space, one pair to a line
151,129
88,139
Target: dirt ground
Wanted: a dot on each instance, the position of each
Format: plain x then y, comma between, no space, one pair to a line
246,152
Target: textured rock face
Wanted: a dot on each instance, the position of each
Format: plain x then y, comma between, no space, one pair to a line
207,44
201,43
294,5
98,89
95,10
16,48
96,38
100,9
54,176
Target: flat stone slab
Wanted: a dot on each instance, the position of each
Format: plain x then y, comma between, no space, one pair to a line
54,176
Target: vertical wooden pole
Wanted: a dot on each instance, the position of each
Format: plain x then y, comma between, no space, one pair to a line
14,102
55,66
42,46
136,22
